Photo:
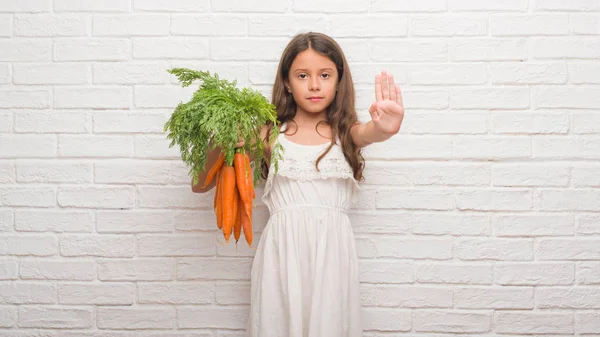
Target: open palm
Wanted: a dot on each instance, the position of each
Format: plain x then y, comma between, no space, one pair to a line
387,112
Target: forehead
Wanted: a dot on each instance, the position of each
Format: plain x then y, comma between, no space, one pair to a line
311,60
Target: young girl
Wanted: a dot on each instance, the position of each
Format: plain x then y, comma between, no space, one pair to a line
305,278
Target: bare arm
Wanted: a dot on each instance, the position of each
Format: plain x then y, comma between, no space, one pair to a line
365,134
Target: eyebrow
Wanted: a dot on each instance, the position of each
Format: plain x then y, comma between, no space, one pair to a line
307,69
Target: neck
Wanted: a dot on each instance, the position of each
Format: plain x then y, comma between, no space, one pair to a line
303,118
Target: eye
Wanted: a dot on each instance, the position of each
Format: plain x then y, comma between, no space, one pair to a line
325,75
301,76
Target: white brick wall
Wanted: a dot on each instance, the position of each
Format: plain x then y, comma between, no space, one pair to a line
482,217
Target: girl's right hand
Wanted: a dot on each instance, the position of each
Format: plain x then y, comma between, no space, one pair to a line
240,143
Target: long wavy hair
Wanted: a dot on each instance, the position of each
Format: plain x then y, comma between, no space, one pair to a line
340,114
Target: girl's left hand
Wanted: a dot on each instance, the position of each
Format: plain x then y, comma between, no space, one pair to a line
387,112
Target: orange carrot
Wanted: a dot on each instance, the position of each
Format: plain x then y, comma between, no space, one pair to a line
246,222
251,176
219,199
229,183
243,180
214,169
237,227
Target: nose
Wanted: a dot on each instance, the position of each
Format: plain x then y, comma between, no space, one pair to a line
314,84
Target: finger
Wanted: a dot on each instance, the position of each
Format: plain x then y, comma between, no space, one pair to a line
392,86
378,96
385,88
373,111
399,96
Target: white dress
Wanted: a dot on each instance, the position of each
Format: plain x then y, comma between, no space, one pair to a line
305,277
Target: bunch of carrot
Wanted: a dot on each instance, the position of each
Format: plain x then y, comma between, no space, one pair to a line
234,195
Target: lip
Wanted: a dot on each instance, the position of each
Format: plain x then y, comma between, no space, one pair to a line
315,98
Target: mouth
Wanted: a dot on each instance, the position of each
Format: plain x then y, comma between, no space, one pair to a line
315,98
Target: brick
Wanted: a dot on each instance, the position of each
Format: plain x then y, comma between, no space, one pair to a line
572,98
208,25
573,5
50,25
445,123
131,25
8,316
587,322
54,172
166,96
285,25
213,269
492,147
171,6
568,298
569,200
139,269
132,172
96,197
534,323
25,50
529,73
246,49
451,321
421,147
588,273
568,249
204,220
585,123
178,48
182,293
380,221
31,6
27,293
386,271
6,30
386,319
494,249
122,122
92,6
494,200
30,196
97,245
131,73
533,225
336,6
490,98
415,199
211,317
529,24
105,49
52,220
394,50
588,224
35,99
7,172
52,122
488,5
55,317
97,146
533,273
566,47
566,148
450,74
137,318
9,269
454,273
176,245
519,123
92,98
530,174
585,24
51,73
97,294
418,248
6,220
406,296
171,197
450,224
487,49
360,25
448,25
493,298
409,6
5,73
68,270
229,293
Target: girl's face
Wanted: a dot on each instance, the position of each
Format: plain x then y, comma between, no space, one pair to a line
313,80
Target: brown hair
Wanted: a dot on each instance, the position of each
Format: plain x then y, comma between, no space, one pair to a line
340,114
